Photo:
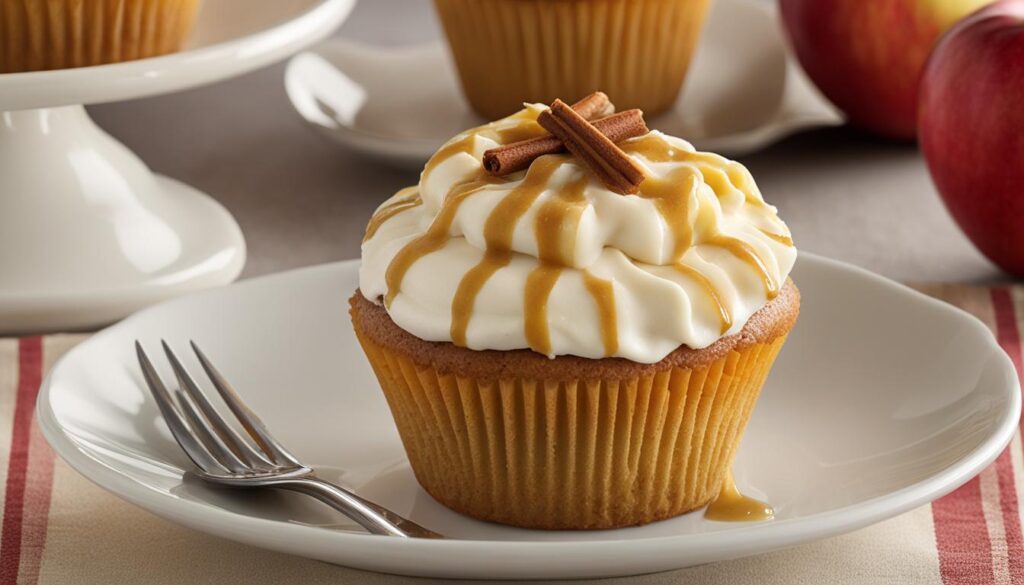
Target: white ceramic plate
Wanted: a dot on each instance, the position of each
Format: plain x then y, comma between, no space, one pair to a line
400,104
882,400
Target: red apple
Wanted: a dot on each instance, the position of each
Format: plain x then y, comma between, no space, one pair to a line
972,128
866,56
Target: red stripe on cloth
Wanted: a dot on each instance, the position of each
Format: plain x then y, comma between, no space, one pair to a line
30,375
1008,335
1009,506
38,492
965,551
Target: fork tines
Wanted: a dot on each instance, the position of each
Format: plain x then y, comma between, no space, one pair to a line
210,441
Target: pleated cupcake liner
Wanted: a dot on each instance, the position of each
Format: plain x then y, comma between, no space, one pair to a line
512,51
585,454
58,34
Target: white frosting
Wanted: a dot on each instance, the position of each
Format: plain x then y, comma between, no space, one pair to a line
626,240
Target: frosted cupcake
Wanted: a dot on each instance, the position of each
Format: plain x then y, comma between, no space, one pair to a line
512,51
58,34
557,351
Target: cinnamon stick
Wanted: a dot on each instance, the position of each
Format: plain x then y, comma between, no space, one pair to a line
595,105
518,155
613,166
496,160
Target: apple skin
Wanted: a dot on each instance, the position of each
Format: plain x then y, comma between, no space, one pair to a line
972,129
866,56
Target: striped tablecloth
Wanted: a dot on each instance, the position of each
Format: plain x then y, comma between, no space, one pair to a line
59,528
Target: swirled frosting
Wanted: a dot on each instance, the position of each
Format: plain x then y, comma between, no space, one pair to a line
550,259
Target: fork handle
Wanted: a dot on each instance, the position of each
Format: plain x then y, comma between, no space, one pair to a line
375,519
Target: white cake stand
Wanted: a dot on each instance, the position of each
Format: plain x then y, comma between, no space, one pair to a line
88,234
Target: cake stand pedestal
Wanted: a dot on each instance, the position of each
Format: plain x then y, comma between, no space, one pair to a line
88,234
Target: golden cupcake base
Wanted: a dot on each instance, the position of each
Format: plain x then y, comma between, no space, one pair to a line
512,51
570,453
59,34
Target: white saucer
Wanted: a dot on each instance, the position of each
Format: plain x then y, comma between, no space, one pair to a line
882,400
400,104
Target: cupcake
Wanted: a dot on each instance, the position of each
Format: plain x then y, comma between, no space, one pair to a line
558,353
58,34
512,51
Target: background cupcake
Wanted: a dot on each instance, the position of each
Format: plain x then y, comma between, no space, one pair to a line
58,34
513,51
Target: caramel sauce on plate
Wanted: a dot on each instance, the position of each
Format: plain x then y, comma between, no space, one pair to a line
733,506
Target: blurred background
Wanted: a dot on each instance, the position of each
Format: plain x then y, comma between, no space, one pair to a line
302,200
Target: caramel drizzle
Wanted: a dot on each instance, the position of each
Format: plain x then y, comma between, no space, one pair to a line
604,295
462,145
732,178
746,253
672,201
431,240
437,234
527,128
671,197
539,285
524,131
469,288
556,224
724,317
780,238
405,199
498,231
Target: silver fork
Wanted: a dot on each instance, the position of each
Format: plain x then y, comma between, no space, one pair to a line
224,457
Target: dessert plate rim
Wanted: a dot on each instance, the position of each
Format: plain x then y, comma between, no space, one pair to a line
448,558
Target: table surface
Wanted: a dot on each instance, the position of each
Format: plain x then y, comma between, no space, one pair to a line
302,200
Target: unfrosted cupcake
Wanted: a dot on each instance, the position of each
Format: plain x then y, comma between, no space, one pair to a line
559,355
509,52
58,34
